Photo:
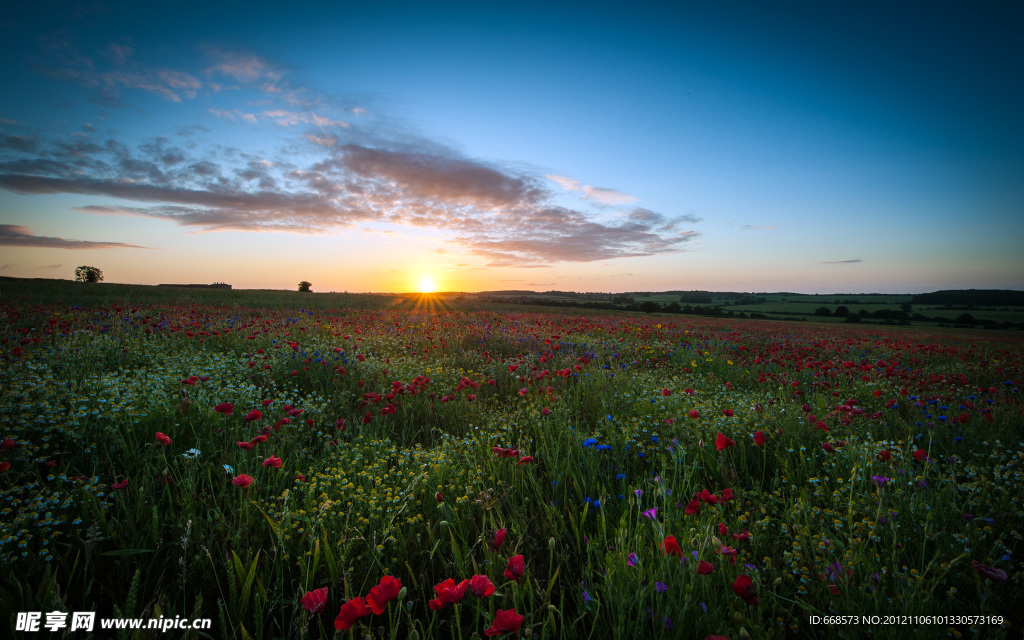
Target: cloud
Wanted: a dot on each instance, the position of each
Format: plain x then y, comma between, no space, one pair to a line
5,267
593,194
63,60
51,266
241,66
841,261
17,236
759,227
507,216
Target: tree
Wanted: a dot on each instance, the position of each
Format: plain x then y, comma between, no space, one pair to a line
822,311
305,285
649,306
88,274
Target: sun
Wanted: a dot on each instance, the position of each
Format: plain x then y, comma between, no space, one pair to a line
427,285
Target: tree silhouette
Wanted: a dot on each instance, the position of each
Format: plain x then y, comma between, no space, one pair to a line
88,274
305,285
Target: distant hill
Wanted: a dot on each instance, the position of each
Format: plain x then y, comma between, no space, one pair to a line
972,297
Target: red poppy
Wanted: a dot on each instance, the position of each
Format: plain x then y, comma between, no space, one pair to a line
694,413
704,568
707,497
4,466
744,588
727,494
499,537
243,480
9,443
723,442
272,461
350,612
524,460
120,485
665,393
989,572
759,438
260,438
727,413
514,568
383,593
245,445
162,439
505,622
314,601
671,547
448,592
884,455
439,497
827,447
693,508
300,477
481,586
225,407
253,415
920,455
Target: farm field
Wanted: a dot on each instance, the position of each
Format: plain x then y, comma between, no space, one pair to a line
421,467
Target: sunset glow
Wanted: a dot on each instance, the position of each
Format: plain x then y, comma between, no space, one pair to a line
547,147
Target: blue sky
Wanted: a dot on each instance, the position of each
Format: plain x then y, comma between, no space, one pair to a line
743,146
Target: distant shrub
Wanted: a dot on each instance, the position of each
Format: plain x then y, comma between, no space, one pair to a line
88,274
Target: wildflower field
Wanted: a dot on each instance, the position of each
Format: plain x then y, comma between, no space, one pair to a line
423,473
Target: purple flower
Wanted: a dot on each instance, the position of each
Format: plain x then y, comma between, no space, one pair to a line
631,559
661,587
652,513
880,480
638,492
668,622
704,607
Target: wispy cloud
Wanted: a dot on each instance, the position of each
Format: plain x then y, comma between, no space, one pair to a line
51,266
841,261
503,215
331,173
593,194
18,236
759,227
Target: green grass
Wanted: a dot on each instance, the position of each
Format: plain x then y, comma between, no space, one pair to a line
366,402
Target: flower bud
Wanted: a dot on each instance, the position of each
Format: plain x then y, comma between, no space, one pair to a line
716,542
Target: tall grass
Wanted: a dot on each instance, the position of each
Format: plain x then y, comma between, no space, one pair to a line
820,520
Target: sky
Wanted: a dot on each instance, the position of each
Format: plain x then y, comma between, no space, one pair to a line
394,146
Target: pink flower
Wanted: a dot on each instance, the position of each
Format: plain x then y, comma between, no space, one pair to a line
989,572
